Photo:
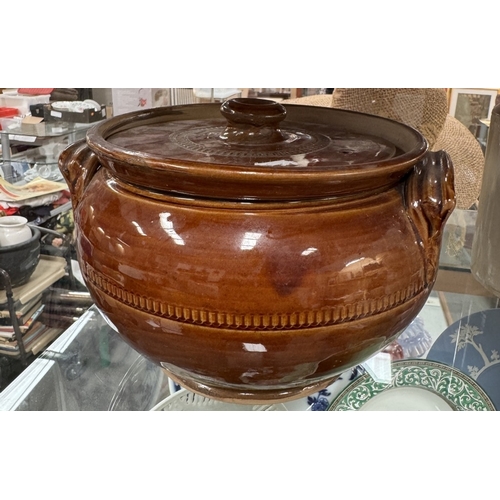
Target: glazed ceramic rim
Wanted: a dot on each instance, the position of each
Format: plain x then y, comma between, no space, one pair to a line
35,235
13,221
396,366
381,174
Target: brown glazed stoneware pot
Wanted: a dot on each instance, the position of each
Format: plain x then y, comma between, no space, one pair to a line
256,251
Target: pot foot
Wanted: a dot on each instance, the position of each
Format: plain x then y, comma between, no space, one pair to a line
252,396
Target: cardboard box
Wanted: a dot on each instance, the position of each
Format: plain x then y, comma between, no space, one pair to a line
33,125
87,116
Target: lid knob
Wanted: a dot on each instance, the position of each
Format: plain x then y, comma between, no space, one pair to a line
252,121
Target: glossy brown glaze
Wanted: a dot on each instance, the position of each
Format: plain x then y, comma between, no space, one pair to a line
257,299
252,122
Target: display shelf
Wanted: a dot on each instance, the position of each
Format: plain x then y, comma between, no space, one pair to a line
17,131
30,151
51,303
47,272
37,162
22,343
30,318
89,367
14,132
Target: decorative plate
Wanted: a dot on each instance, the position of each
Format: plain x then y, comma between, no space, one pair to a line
320,401
472,345
416,385
75,106
185,400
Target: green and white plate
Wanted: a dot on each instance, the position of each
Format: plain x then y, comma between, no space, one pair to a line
416,385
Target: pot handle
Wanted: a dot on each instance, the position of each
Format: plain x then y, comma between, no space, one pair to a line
430,199
78,164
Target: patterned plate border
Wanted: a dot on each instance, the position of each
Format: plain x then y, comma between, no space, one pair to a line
459,390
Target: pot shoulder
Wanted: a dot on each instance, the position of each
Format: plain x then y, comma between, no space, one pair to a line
334,259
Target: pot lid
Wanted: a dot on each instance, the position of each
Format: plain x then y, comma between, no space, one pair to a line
255,142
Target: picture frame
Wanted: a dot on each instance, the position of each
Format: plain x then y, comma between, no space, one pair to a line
472,107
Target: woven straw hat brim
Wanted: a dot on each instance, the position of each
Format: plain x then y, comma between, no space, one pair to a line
467,158
324,100
445,133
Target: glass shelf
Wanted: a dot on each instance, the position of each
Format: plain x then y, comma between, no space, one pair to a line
42,131
88,367
59,134
37,162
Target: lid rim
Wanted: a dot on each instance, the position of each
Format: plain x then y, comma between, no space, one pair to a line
120,160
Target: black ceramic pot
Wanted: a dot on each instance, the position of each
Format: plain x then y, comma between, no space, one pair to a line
20,260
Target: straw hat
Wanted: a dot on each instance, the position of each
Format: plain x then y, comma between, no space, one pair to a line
427,111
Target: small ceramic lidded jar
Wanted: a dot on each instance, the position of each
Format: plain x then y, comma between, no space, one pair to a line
257,251
14,229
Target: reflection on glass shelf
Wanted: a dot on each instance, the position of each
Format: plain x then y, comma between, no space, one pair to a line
18,131
89,367
41,161
455,281
49,171
457,240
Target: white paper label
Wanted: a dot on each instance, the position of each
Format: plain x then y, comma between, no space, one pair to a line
57,114
22,138
379,367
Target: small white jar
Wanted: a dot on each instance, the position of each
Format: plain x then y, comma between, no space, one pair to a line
14,229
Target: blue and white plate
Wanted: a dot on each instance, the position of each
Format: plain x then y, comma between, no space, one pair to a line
472,345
